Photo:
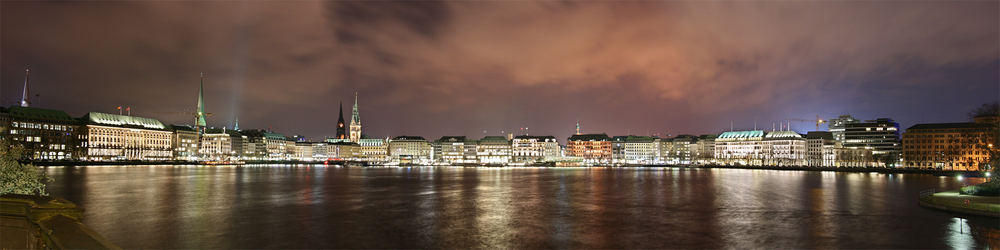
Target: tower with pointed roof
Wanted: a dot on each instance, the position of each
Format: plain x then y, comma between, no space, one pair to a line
26,95
200,121
355,135
578,127
341,126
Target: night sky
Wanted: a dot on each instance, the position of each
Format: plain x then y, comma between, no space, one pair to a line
462,68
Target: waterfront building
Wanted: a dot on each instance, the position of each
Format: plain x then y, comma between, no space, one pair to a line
410,150
303,151
640,149
343,150
681,149
355,135
838,126
740,147
374,150
493,150
530,149
593,148
455,150
881,135
784,148
341,127
110,137
618,150
853,157
239,144
949,146
759,148
45,134
216,145
706,149
820,147
185,143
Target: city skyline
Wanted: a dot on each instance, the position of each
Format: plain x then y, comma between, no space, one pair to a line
612,83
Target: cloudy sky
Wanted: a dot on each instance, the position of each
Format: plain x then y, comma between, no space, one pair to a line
473,68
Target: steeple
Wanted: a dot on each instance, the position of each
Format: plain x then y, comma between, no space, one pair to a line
355,135
354,114
341,126
577,126
200,115
26,96
237,124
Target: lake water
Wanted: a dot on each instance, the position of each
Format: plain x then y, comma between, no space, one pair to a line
453,207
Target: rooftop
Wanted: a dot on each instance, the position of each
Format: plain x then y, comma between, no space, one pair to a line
742,134
957,125
783,135
29,113
819,135
590,137
410,138
123,121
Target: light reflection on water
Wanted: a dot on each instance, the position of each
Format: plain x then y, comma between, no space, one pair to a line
453,207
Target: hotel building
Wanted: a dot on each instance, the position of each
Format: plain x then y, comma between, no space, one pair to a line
530,149
410,150
593,148
110,137
640,149
493,150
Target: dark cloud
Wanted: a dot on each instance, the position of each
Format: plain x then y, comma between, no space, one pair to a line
432,68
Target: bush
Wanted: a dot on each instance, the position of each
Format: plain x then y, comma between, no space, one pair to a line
17,178
985,189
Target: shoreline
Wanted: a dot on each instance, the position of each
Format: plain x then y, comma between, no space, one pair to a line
952,201
792,168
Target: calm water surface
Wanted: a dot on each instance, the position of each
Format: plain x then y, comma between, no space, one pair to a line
446,207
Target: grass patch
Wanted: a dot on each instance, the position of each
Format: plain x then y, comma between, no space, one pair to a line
986,189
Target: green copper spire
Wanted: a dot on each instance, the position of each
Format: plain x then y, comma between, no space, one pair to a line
200,120
354,116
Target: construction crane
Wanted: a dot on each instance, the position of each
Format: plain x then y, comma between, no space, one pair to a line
818,121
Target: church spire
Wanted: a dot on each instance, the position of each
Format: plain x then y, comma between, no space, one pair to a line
200,120
355,121
237,122
577,126
341,126
26,96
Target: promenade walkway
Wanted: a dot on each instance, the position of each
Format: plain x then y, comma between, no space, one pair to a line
960,203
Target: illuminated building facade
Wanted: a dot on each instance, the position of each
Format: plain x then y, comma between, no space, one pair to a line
343,150
706,149
493,150
949,146
374,150
530,149
216,146
640,149
410,150
455,150
110,137
45,134
881,135
784,148
740,147
820,147
185,143
838,126
593,148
